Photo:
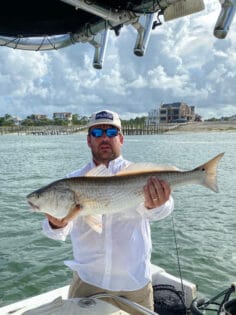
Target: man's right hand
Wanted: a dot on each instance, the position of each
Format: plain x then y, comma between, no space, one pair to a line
61,223
56,223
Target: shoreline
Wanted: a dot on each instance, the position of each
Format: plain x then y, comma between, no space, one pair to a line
204,126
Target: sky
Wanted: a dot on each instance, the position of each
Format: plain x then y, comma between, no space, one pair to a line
183,62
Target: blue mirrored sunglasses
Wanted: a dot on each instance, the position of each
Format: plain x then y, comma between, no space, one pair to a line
98,132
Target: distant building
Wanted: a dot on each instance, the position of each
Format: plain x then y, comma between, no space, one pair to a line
17,120
38,117
153,117
178,111
63,116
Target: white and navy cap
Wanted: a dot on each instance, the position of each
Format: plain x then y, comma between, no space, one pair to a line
105,117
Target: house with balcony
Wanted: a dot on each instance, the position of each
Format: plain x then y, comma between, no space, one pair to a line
176,112
63,116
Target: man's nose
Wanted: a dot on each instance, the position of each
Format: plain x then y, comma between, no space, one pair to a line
104,134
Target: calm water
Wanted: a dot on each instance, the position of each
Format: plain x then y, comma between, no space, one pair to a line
205,222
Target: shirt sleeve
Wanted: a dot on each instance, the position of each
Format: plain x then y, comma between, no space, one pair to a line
56,234
159,213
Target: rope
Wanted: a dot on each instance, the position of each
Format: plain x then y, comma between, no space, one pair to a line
178,258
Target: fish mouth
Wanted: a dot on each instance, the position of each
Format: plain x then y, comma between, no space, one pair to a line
33,206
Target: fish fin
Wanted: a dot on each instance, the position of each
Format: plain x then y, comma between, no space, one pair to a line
100,170
135,168
95,222
210,167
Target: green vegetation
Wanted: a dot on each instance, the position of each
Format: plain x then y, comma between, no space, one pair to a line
32,120
7,120
138,121
218,119
42,120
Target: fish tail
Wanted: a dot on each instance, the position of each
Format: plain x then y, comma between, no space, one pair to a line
210,169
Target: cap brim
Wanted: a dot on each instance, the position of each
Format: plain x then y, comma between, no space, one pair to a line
104,123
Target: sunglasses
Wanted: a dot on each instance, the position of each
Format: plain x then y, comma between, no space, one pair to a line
98,132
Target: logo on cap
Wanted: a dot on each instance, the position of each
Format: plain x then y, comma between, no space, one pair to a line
104,115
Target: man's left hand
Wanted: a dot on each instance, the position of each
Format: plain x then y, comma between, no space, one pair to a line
156,193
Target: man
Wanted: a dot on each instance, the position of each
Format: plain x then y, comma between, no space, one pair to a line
117,261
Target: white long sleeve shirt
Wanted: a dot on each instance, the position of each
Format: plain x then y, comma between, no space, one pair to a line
118,258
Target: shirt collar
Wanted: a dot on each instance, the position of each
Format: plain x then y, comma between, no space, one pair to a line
111,163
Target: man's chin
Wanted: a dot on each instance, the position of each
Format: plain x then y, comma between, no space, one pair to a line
106,155
105,151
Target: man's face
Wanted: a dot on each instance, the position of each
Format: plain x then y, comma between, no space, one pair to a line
104,148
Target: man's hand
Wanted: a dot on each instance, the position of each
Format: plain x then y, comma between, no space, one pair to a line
156,193
61,223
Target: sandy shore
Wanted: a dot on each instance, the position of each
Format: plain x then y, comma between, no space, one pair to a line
205,126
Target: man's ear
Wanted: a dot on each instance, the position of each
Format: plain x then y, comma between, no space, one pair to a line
121,138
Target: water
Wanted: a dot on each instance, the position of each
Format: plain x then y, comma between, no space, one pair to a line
204,222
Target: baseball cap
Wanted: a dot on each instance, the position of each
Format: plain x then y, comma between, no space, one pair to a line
105,117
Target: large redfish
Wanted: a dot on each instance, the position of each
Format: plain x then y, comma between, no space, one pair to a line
102,193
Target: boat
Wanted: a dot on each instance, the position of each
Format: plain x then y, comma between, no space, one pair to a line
56,24
172,296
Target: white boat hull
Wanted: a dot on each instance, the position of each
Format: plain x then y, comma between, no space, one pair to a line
159,276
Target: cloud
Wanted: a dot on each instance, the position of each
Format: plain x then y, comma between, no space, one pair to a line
183,62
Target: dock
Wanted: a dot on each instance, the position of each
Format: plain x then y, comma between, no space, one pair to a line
145,130
129,130
41,130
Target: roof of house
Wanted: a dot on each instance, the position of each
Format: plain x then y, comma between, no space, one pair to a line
177,104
